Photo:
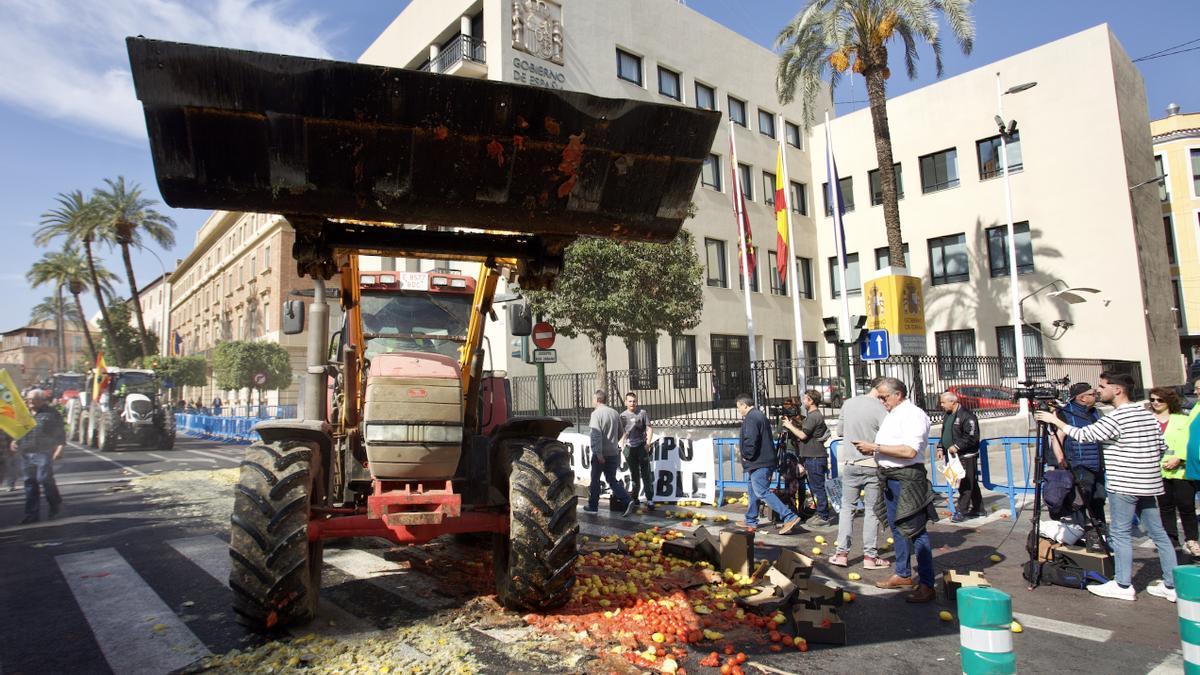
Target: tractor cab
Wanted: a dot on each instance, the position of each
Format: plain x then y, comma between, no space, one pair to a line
66,386
414,312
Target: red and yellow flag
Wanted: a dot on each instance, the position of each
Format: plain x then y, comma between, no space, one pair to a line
99,376
781,218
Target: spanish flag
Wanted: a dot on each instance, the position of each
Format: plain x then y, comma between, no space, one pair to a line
781,218
99,377
15,419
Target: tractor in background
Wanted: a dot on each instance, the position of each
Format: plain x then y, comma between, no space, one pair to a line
129,410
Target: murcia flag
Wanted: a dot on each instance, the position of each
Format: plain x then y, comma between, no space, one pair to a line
740,215
15,419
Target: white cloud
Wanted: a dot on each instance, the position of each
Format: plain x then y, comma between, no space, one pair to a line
66,59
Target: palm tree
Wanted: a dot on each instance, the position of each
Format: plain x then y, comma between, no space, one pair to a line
854,34
68,268
129,214
53,308
77,219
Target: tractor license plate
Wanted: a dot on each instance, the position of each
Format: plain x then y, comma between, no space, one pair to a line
414,281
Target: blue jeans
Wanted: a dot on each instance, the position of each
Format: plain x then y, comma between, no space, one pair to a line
760,490
904,546
1124,509
814,474
609,470
39,475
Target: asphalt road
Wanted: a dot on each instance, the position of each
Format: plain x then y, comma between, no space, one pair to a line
131,578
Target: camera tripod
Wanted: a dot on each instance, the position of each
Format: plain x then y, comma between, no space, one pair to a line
1032,544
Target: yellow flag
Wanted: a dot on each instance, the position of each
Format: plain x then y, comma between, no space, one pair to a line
15,419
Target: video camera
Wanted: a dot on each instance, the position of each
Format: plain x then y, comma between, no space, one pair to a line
1042,395
785,410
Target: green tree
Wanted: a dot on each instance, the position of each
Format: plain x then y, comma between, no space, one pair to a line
630,290
54,308
854,35
179,371
235,365
126,213
122,344
77,219
69,268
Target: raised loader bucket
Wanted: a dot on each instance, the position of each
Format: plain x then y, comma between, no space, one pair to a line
247,131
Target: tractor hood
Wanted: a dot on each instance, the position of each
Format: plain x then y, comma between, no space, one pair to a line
414,364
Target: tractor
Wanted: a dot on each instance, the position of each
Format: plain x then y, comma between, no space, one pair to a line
129,410
406,433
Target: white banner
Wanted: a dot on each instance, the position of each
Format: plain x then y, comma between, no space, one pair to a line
683,468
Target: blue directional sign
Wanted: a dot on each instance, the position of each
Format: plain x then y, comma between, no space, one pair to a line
875,347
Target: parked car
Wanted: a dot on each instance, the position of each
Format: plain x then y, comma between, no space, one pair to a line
984,396
833,391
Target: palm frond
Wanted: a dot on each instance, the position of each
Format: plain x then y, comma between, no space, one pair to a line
958,17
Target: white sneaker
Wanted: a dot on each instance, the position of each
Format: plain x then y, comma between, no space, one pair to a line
1112,590
1159,589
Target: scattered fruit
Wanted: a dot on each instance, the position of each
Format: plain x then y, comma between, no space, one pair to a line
995,557
854,576
658,637
847,596
891,541
945,616
1016,627
816,550
819,539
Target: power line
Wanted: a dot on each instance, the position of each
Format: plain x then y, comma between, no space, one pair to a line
1169,51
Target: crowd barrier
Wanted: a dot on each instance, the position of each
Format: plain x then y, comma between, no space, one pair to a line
264,412
224,429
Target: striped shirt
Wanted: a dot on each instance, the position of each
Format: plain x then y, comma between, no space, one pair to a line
1133,449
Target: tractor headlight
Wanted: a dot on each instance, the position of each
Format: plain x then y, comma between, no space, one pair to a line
413,433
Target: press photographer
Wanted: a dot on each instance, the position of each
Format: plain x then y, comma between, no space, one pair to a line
811,435
1084,461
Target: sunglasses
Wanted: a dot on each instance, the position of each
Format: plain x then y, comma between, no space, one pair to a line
1156,400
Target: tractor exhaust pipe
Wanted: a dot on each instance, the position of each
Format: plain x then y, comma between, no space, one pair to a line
317,359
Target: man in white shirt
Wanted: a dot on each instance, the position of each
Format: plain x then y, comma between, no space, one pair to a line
907,496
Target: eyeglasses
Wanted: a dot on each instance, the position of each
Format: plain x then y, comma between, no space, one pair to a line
1156,400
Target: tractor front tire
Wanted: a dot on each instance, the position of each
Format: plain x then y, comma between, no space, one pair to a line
535,562
110,430
167,433
276,570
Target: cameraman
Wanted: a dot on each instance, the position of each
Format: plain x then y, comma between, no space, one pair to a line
812,433
960,437
1084,460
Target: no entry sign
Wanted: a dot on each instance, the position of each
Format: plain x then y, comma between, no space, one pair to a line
543,335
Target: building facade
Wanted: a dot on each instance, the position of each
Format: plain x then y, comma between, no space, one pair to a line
1177,157
155,300
35,349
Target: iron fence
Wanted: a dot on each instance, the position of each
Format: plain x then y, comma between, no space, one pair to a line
703,396
461,48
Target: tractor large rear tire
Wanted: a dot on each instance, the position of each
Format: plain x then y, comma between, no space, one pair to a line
89,429
110,430
276,570
535,563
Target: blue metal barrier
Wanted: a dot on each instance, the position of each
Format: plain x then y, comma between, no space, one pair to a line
1027,444
726,456
224,429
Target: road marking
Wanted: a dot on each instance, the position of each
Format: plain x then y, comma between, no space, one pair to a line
1171,665
135,629
226,458
97,455
159,457
92,481
381,573
1073,630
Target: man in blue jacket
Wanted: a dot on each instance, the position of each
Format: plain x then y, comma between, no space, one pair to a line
1084,460
758,461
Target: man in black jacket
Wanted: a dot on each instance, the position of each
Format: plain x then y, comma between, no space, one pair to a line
960,436
758,461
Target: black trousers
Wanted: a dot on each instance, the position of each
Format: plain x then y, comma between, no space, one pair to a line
1090,485
1180,497
970,496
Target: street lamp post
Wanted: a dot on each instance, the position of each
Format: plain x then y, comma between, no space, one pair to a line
164,337
1014,292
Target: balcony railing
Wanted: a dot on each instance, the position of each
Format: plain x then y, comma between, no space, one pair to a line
461,48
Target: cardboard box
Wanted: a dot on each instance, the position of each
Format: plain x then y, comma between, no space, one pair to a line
1046,548
1100,563
819,624
602,547
952,580
737,551
775,591
794,565
707,544
827,594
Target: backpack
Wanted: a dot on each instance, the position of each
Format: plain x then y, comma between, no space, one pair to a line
1058,492
1055,573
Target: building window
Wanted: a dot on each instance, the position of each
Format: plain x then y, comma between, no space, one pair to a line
1169,229
629,67
1035,366
753,273
783,363
668,84
988,152
714,255
768,188
799,198
266,257
853,280
997,238
683,357
876,185
1195,159
939,171
266,317
643,364
1160,169
883,258
766,123
744,179
778,285
1177,295
956,354
804,272
253,265
706,97
737,111
948,259
792,132
710,173
812,365
846,188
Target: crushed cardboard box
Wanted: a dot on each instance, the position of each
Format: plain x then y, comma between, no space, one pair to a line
774,591
952,580
827,594
737,551
820,624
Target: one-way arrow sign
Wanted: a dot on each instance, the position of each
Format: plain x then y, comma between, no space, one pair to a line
875,347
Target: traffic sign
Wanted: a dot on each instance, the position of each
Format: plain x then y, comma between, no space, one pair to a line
545,356
260,379
543,335
875,347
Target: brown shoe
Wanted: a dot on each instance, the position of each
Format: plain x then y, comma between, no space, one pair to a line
895,582
789,525
921,595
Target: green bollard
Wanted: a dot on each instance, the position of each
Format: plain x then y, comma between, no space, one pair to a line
1187,588
985,631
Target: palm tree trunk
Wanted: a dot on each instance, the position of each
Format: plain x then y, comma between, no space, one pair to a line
877,95
147,347
83,325
107,327
60,329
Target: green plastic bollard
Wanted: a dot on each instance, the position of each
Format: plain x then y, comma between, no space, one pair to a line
1187,588
985,631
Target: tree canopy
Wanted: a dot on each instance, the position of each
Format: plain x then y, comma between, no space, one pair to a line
179,371
122,343
236,363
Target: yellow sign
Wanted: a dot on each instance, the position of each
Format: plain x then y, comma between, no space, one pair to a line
896,303
15,419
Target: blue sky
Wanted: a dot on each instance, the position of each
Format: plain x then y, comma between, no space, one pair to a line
68,118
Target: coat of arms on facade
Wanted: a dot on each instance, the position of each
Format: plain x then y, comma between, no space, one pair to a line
537,29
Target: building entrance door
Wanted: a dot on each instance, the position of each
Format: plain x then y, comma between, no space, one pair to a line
731,368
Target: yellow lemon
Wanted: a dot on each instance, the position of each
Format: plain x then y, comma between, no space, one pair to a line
816,550
819,539
945,616
1016,627
995,557
854,576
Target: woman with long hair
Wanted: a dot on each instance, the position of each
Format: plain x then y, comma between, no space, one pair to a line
1179,496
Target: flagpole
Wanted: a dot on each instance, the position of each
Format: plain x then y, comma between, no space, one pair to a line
739,215
797,318
840,243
